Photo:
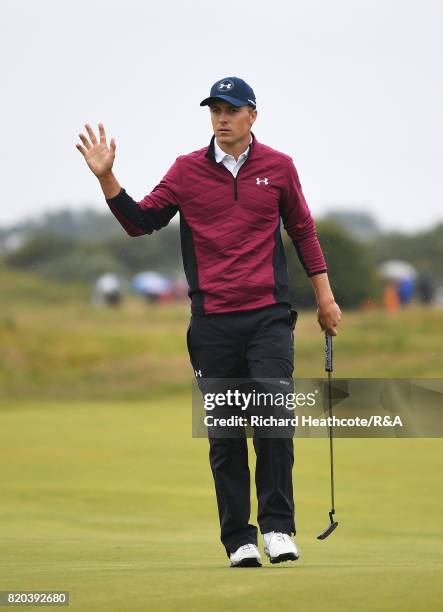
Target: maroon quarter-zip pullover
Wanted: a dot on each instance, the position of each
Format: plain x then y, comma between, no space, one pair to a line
230,227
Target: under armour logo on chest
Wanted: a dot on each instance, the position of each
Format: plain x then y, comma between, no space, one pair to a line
198,373
264,180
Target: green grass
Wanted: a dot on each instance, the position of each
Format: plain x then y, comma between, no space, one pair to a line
74,351
114,502
103,491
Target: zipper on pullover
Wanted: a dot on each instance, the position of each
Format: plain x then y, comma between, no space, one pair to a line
235,178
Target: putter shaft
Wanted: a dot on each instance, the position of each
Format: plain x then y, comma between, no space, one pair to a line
329,368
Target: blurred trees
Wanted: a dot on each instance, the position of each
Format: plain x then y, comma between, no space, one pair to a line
351,272
424,250
78,247
65,259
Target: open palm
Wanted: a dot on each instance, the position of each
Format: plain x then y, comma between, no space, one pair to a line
97,154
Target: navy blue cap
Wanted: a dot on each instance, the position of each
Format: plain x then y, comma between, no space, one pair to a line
233,90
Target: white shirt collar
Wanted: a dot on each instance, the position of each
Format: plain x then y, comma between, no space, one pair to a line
220,154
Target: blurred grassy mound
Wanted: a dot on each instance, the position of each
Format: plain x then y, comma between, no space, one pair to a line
54,343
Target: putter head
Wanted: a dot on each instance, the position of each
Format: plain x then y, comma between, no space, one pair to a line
324,534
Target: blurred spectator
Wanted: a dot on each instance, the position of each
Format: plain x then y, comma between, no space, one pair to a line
107,290
151,285
390,297
400,277
426,288
405,289
180,288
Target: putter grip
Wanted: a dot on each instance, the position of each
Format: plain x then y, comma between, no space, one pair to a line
328,352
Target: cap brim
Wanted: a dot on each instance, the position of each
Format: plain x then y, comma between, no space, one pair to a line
233,101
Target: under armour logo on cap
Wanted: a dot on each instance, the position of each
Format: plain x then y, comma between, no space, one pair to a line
226,85
233,90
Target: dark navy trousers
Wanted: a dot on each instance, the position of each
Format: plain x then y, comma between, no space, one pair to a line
251,344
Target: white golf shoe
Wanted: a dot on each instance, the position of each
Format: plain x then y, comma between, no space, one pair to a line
280,547
246,556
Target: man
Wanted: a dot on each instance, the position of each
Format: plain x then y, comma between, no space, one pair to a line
231,196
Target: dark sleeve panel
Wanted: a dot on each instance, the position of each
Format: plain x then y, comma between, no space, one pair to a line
136,220
300,225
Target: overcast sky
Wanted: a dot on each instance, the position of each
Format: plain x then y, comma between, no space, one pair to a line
351,89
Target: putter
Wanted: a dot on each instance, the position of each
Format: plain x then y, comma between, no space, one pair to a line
328,367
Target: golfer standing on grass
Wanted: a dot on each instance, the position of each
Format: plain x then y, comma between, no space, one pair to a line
231,196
